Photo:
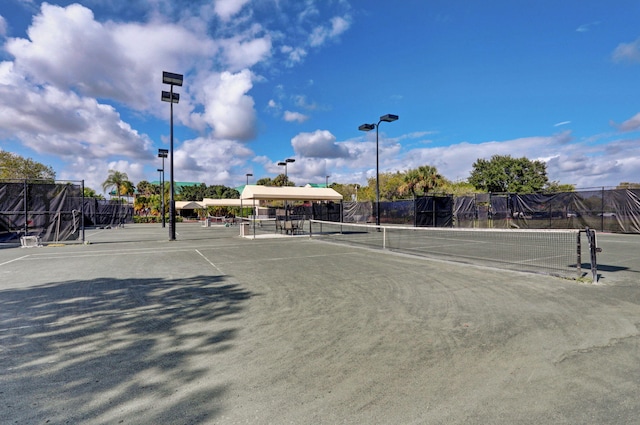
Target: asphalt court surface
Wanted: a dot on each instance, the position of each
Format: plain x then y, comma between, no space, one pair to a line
214,328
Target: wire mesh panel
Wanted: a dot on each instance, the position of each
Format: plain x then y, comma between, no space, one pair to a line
543,251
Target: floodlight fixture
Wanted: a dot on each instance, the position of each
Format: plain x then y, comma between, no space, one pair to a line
369,127
172,78
282,163
389,118
170,97
163,153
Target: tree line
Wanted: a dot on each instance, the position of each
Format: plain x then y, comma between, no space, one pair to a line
499,174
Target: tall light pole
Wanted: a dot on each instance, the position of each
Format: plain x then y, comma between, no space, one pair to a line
171,97
248,175
162,153
284,163
369,127
326,184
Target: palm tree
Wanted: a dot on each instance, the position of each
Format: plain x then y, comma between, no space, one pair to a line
421,180
127,189
430,178
116,180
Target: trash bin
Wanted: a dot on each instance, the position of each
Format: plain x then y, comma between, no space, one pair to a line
244,229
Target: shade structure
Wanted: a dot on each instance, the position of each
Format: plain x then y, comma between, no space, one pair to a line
189,205
289,193
210,202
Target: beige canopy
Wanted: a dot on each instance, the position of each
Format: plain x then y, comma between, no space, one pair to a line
189,205
210,202
289,193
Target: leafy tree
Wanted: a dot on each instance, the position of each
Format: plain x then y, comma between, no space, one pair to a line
265,181
192,193
421,180
282,180
502,173
348,191
116,181
222,192
459,188
556,187
628,185
14,166
389,187
90,193
147,189
127,188
201,191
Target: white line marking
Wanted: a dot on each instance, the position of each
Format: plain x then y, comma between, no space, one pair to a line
15,259
208,261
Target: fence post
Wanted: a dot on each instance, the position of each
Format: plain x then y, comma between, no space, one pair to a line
25,197
579,254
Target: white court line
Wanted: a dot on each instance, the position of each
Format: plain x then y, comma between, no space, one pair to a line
15,259
108,254
209,261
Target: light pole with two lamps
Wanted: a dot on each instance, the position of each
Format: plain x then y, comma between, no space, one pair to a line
284,163
162,153
369,127
171,97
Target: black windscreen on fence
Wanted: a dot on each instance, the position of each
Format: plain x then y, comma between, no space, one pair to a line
612,210
53,211
49,210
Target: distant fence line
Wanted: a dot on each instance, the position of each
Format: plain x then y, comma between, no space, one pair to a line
605,210
58,211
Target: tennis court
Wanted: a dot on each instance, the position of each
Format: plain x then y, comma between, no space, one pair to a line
217,329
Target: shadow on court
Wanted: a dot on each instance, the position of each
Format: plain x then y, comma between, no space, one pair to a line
107,350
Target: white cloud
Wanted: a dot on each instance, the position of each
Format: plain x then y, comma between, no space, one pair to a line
3,26
587,27
61,123
69,49
295,55
206,159
319,144
290,116
226,9
627,52
631,124
243,52
583,163
228,108
321,34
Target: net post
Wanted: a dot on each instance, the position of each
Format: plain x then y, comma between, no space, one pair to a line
384,237
593,250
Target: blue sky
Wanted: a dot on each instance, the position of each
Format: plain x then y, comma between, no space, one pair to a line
266,80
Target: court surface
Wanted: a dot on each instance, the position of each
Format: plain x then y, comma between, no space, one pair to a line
217,329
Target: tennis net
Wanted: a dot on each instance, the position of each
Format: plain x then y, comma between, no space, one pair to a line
554,252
